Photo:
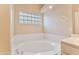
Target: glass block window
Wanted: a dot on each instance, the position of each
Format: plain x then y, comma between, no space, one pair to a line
29,18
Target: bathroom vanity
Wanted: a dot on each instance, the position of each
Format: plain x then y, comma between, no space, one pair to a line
70,46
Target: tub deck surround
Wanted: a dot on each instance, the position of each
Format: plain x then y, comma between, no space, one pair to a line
73,41
70,46
33,44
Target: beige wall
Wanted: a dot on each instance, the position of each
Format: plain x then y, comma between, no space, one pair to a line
24,29
75,24
4,29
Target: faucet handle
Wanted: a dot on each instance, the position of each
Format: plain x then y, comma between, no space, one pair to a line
19,52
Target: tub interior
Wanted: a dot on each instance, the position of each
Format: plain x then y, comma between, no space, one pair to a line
35,47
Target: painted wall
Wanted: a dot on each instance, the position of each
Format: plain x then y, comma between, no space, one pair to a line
76,19
22,28
4,29
58,20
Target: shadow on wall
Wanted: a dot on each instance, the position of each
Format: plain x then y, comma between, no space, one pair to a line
58,20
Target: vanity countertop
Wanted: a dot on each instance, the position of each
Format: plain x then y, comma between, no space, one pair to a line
73,40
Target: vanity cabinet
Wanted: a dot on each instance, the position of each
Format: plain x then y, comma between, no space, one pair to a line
70,46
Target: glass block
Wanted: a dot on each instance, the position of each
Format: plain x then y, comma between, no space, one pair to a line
21,17
39,16
33,19
25,22
33,22
28,18
29,14
29,22
36,19
39,22
21,21
25,18
24,14
36,22
33,15
36,16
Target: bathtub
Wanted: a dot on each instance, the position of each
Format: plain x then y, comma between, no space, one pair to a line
37,44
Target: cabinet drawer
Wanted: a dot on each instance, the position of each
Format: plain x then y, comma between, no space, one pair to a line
68,49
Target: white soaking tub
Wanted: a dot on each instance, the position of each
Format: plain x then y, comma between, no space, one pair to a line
37,44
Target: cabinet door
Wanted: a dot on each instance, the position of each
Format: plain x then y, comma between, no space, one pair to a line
69,49
76,22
